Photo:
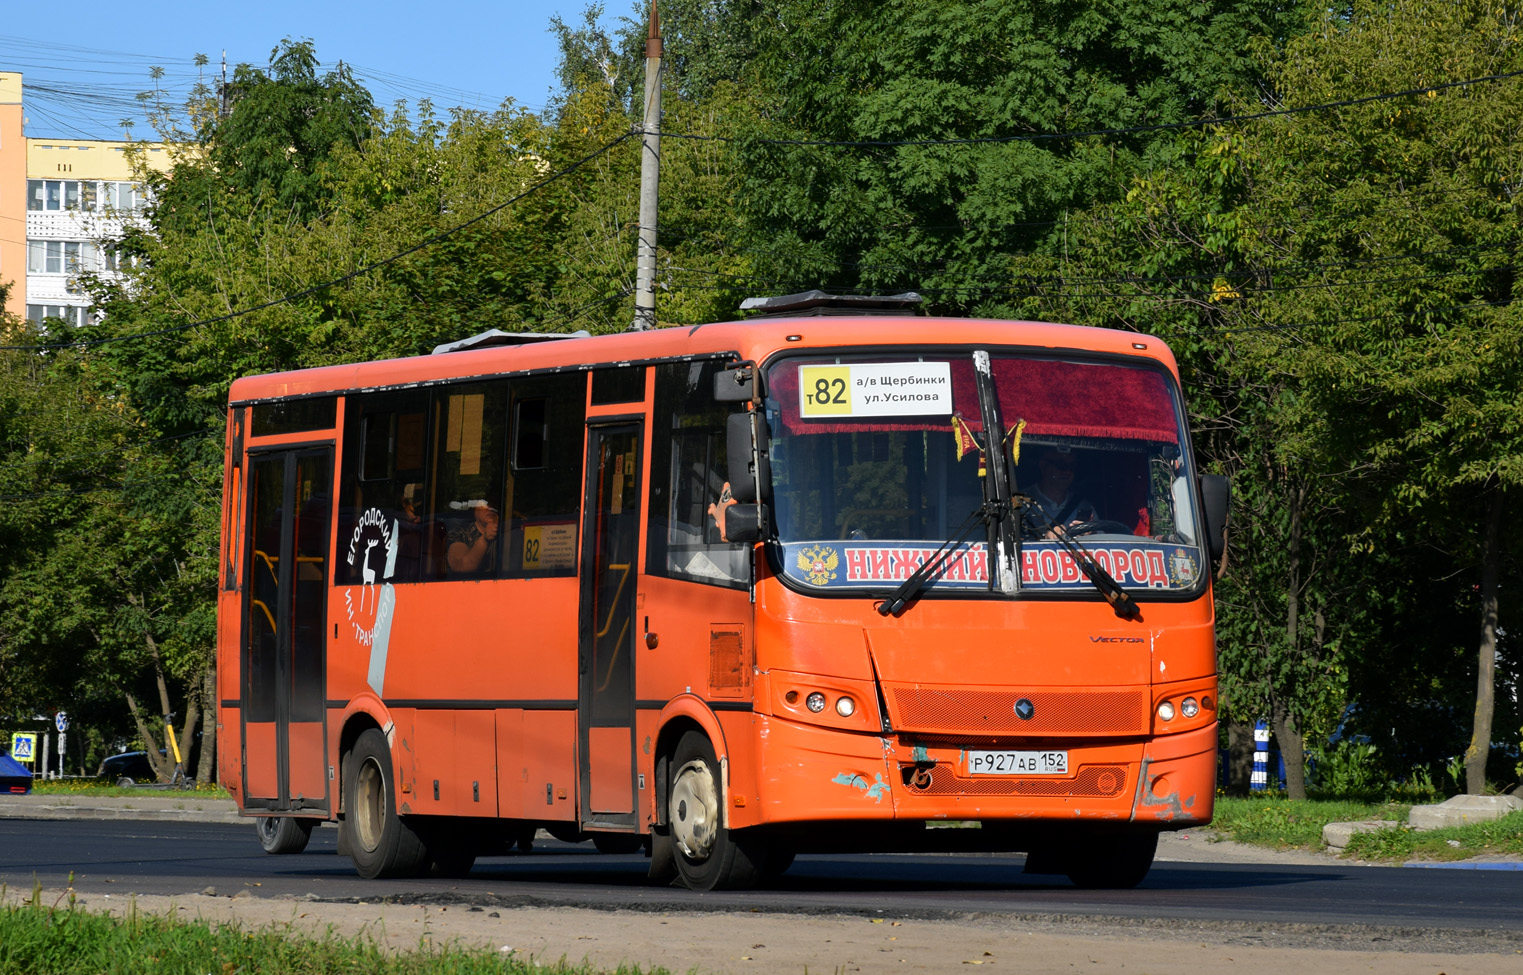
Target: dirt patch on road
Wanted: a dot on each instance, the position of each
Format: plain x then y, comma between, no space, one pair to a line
734,943
772,943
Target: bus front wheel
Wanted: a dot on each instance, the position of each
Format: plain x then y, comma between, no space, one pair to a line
382,845
283,834
708,855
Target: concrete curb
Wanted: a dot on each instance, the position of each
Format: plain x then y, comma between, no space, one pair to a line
1337,835
184,807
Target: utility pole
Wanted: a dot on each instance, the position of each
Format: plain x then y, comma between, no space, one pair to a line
650,179
222,89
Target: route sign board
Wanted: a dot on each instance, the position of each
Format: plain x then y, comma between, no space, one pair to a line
24,746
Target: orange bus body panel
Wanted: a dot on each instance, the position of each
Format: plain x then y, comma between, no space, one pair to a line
478,686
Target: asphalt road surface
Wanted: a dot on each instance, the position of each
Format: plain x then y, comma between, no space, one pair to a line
176,858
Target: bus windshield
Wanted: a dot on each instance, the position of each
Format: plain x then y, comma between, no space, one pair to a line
877,460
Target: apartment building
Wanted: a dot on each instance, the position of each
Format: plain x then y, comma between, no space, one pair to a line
62,203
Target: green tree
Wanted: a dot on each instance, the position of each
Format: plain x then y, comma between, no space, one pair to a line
1411,371
1353,299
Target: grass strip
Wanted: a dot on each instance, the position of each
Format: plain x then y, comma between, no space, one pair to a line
61,939
1281,824
85,788
1497,837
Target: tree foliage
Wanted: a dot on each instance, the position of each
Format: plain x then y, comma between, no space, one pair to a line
1336,282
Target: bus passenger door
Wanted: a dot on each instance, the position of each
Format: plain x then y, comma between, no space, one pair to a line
606,658
284,614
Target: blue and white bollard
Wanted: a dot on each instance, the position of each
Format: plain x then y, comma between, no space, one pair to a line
1259,781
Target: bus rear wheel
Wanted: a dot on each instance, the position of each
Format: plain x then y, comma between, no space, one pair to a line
708,855
283,834
382,844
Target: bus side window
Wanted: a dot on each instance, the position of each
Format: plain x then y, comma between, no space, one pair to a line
382,489
687,475
469,432
544,480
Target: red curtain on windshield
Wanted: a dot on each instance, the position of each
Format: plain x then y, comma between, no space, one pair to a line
1054,397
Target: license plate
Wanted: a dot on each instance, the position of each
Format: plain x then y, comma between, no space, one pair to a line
1018,763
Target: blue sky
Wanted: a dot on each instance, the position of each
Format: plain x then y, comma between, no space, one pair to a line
84,61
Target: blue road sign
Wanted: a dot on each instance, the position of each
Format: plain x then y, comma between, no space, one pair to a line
24,746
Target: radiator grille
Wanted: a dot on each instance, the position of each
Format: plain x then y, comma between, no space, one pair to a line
1093,781
964,711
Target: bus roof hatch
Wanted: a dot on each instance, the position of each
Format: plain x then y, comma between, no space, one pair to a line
811,303
496,336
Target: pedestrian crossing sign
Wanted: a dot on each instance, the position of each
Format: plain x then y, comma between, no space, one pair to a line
24,746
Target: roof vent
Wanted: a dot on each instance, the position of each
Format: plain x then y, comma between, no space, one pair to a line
496,336
808,303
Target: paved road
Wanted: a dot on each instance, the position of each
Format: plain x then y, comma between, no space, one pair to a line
165,857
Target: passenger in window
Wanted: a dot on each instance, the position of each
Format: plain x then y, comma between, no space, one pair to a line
472,548
1054,491
410,538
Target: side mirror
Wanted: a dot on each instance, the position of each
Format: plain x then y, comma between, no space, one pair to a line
746,522
1216,501
745,441
735,385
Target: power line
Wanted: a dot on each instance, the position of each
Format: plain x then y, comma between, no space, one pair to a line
44,459
1090,133
442,235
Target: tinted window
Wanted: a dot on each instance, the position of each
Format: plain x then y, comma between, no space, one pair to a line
384,507
620,384
470,439
687,475
545,478
293,416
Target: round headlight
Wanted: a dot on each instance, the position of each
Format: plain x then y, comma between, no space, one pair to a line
815,702
845,707
1166,710
1188,707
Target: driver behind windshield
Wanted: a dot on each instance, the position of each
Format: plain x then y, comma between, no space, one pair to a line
1055,491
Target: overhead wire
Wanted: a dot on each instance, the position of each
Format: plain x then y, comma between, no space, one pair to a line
1114,130
342,279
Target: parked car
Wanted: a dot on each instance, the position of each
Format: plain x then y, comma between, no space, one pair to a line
128,768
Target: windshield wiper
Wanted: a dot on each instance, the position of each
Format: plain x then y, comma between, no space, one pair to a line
986,513
1121,601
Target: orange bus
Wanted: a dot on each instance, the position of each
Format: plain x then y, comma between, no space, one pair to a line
834,577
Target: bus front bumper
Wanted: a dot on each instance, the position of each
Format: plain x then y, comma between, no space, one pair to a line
808,773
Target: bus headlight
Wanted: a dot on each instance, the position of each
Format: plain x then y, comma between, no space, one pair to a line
815,702
1188,707
1166,710
845,707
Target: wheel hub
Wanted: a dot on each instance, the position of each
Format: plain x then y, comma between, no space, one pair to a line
695,810
369,806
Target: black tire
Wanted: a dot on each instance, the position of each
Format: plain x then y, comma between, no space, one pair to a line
779,859
126,782
566,832
618,843
451,856
382,844
1116,862
708,855
283,834
663,858
525,839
